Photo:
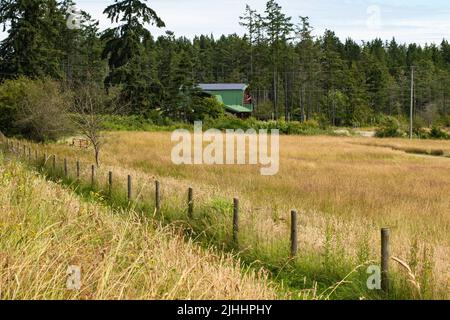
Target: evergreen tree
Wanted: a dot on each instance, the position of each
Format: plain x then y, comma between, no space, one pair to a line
249,21
278,29
128,60
31,47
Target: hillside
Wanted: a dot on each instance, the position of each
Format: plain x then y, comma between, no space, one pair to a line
45,228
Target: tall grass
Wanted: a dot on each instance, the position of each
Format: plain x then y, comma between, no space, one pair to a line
45,228
345,192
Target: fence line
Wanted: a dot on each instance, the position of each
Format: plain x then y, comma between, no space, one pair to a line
294,234
157,197
385,232
191,203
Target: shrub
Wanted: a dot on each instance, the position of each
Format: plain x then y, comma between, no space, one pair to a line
226,121
390,127
438,133
418,127
322,120
139,123
11,93
310,127
202,107
295,128
36,109
127,123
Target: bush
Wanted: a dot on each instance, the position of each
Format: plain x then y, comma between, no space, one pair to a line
127,123
290,128
35,109
310,127
202,107
226,121
139,123
390,128
438,133
420,128
11,93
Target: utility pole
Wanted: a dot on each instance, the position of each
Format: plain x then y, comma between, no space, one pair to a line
411,110
275,95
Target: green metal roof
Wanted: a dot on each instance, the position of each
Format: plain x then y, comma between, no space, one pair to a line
233,108
223,86
238,109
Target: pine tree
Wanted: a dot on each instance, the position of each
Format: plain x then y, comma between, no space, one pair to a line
278,28
31,47
128,60
250,21
308,66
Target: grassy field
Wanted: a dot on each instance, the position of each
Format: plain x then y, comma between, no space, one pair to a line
45,228
345,189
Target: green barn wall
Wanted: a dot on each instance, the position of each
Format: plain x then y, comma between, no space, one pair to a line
230,97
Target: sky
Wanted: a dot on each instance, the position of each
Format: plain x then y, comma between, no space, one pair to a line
406,20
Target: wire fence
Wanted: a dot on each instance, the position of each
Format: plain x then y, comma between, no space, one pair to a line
79,175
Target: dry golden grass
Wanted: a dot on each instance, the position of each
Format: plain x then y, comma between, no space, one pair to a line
338,184
45,228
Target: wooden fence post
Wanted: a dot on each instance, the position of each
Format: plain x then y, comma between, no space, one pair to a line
129,188
78,169
92,175
236,221
66,169
191,202
110,182
294,234
36,155
385,256
157,196
54,162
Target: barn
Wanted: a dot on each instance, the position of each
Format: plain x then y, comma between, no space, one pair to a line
235,96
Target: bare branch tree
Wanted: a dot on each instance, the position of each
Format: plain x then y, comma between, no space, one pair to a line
91,104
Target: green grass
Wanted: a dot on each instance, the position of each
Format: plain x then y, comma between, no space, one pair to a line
122,255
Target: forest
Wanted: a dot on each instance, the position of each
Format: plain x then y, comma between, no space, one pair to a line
293,75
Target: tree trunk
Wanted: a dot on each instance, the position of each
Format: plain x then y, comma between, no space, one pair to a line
97,156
